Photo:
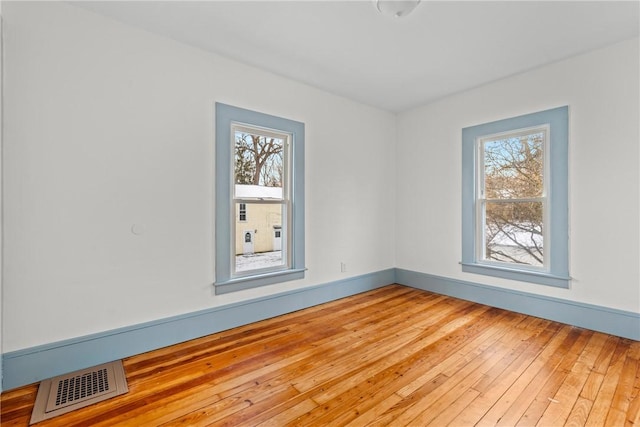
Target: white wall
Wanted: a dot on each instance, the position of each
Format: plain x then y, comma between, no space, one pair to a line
108,126
601,89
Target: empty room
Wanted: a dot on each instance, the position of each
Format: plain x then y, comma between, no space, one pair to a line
320,213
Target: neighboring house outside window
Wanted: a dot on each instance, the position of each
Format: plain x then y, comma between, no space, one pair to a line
259,168
515,201
264,218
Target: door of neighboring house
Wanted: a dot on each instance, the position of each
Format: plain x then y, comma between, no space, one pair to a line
247,247
277,238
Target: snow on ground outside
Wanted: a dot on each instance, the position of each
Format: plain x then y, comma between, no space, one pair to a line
503,241
503,236
258,260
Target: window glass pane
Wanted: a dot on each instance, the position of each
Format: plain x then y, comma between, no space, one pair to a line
513,166
258,160
257,245
513,232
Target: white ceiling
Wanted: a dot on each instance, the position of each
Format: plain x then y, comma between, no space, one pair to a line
350,49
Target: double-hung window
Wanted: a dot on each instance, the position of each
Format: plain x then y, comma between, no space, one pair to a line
515,206
259,169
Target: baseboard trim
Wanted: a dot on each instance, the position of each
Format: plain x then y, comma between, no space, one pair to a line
611,321
34,364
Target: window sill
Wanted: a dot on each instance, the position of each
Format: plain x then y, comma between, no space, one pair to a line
538,277
248,282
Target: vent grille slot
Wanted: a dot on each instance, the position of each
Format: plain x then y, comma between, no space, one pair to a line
66,393
79,388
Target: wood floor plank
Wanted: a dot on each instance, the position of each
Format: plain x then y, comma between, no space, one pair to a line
570,389
569,351
622,395
615,417
257,379
392,414
495,386
393,356
399,368
452,409
236,372
492,332
288,415
422,393
369,417
347,383
515,399
328,357
602,404
579,413
509,385
633,412
404,358
373,340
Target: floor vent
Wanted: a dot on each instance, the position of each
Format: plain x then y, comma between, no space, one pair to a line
66,393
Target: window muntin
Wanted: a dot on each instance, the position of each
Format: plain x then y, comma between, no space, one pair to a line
242,212
511,198
546,206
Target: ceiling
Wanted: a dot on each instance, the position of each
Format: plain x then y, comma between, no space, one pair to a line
350,49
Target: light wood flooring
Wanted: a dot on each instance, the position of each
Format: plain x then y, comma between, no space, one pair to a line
394,356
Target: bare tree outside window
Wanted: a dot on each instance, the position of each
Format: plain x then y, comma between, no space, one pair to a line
513,199
258,160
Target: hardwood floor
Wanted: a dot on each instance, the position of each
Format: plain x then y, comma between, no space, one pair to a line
394,356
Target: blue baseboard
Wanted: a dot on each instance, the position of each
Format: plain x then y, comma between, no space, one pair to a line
34,364
611,321
37,363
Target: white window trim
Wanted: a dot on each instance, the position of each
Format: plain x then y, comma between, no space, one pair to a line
556,269
226,281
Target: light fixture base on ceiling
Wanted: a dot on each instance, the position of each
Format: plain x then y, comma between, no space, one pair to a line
396,8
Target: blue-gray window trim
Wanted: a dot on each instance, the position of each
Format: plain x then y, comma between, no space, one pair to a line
558,197
225,116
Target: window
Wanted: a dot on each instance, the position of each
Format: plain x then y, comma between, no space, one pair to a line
242,214
515,205
259,167
511,197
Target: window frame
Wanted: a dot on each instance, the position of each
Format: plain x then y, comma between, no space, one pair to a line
226,118
555,271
